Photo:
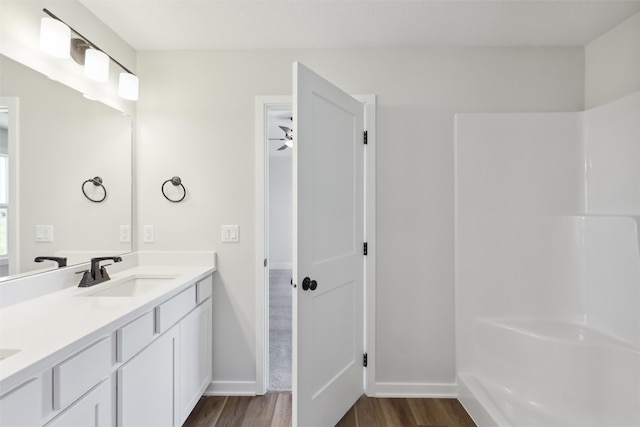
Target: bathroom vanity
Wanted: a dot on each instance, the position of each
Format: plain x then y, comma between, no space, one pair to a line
135,350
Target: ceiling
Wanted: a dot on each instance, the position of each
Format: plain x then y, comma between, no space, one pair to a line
283,24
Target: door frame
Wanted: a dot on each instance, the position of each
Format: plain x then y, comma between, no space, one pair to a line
262,103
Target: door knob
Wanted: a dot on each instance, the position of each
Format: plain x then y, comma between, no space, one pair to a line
309,285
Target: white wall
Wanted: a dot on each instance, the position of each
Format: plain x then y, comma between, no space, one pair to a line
280,213
195,119
612,64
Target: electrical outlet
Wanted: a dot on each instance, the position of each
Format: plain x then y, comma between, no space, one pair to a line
125,234
148,234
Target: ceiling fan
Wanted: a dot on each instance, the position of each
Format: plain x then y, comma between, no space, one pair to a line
288,138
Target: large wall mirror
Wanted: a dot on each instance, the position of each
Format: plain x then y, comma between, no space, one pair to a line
52,140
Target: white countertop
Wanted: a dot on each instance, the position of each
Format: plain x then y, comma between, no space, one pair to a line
53,326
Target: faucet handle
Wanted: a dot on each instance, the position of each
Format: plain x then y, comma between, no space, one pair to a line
105,258
103,273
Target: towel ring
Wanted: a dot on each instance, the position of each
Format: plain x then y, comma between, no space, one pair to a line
97,181
176,181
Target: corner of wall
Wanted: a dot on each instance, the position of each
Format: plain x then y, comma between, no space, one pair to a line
612,63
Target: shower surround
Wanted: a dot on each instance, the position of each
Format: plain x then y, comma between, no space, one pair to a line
548,266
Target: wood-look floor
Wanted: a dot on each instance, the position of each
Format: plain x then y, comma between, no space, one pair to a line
274,410
402,412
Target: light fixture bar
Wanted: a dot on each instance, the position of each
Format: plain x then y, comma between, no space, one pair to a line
93,45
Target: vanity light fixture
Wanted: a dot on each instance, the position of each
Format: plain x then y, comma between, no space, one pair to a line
55,38
84,52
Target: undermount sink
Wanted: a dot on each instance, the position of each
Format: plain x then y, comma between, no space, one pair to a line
4,353
130,287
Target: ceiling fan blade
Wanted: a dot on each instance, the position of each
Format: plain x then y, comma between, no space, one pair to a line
284,147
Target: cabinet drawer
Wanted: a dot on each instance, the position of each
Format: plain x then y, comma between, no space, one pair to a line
169,312
134,336
81,372
204,289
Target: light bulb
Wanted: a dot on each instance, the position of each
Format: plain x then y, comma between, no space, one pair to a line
128,86
96,65
55,37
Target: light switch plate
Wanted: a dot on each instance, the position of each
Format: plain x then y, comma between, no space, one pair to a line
148,234
125,234
44,233
230,233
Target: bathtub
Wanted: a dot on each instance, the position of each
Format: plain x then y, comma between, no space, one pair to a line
550,373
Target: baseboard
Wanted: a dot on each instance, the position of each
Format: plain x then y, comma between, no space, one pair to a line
280,266
433,390
231,388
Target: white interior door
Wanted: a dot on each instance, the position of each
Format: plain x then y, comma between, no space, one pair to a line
328,230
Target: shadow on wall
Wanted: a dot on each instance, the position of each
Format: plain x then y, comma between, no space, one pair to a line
233,340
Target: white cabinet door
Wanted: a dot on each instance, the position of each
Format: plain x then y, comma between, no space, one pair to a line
195,357
147,384
92,410
22,406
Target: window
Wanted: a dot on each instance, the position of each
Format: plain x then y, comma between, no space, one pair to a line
4,206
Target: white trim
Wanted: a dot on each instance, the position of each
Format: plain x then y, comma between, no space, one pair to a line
280,266
423,390
370,237
261,250
231,388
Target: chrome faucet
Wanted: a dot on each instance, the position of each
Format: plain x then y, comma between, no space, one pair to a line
97,274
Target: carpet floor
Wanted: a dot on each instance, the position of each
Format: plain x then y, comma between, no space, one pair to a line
279,330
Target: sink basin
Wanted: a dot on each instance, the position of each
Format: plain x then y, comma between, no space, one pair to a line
7,353
131,287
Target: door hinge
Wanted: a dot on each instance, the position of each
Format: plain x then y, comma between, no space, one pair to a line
364,360
265,262
365,137
365,248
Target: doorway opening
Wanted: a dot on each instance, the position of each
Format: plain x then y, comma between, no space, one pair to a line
279,208
263,264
